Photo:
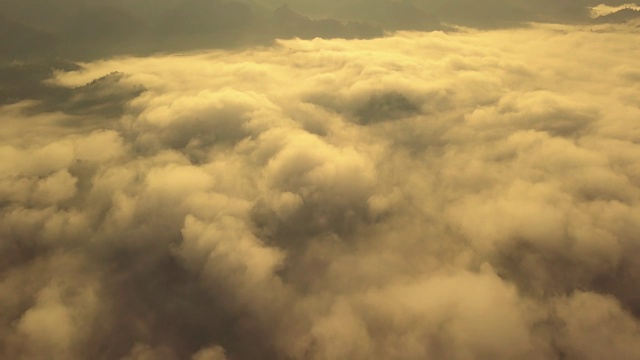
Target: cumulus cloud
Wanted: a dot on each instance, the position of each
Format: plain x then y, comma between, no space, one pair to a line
468,195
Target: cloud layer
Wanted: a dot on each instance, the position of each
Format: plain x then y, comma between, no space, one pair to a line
473,195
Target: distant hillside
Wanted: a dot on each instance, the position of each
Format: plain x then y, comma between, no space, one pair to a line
94,31
285,22
19,41
29,56
99,30
391,15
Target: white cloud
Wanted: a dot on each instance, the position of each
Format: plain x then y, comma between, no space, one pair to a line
456,196
603,9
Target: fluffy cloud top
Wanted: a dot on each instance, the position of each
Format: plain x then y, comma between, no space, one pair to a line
473,195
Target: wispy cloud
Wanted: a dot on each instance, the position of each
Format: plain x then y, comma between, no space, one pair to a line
603,10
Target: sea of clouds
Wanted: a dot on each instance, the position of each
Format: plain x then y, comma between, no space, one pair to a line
464,195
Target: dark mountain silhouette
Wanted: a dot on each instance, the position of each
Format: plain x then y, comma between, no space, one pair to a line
20,41
106,96
391,15
99,30
286,22
20,80
222,22
95,31
29,56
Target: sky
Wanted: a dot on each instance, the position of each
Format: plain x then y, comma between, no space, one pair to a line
210,180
